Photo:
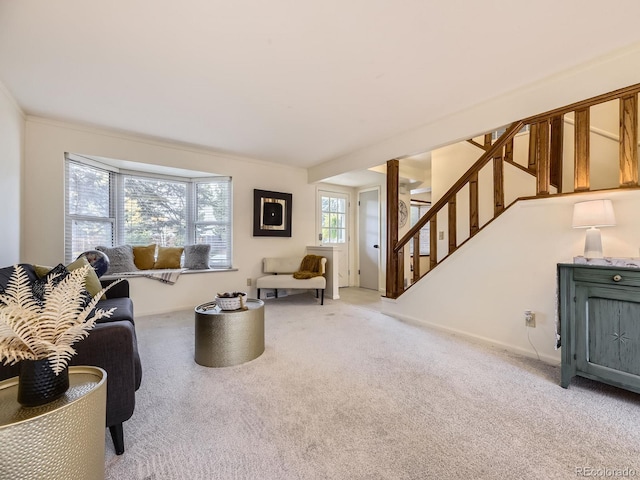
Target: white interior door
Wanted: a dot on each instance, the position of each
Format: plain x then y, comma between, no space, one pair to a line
334,229
369,238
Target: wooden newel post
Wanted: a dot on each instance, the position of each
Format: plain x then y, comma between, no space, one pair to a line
394,282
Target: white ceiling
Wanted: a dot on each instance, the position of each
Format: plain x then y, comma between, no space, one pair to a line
296,82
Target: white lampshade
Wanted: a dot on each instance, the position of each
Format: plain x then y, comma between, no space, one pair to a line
592,214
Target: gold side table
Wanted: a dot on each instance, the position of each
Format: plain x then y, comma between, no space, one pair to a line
63,439
228,337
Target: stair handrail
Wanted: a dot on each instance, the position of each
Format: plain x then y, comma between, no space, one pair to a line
491,152
545,160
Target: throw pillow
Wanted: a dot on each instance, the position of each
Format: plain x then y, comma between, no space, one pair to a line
168,257
42,270
196,257
5,275
144,256
6,272
120,258
56,275
91,281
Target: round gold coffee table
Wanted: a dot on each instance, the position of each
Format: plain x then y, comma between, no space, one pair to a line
228,337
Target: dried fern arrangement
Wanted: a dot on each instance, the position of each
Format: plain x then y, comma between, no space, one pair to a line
34,330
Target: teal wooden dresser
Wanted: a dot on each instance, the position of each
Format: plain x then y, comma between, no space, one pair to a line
599,312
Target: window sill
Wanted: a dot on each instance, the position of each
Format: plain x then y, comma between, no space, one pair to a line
210,270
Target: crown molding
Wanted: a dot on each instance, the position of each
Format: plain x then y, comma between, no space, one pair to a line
152,141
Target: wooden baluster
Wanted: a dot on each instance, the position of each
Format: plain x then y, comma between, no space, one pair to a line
474,223
416,257
393,286
453,240
498,185
487,140
400,275
508,151
433,242
532,164
629,141
581,159
557,141
543,175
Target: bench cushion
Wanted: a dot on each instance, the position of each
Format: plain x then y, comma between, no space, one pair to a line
281,264
287,281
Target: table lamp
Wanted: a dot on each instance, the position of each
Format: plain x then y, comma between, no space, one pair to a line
590,215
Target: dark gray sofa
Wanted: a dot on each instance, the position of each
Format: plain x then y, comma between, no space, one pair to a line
112,346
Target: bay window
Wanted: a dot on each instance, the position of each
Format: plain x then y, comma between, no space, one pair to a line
110,206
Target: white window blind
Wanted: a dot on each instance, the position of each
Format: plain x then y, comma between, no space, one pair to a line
153,210
89,219
213,219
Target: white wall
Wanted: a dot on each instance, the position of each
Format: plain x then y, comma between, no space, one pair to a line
510,266
605,74
483,290
12,125
43,234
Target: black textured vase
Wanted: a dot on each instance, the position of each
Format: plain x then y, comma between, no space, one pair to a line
38,384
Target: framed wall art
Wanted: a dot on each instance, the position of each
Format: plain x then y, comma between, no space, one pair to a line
271,214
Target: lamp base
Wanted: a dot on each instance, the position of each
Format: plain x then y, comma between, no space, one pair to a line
593,243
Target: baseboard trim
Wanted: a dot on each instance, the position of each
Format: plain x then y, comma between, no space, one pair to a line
478,338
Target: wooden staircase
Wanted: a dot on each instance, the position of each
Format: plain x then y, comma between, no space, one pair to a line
544,161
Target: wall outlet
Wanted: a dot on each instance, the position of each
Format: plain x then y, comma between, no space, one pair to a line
441,235
248,282
529,319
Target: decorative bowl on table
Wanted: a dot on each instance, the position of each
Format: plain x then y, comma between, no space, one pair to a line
231,300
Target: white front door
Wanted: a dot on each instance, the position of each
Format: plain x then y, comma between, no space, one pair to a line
334,228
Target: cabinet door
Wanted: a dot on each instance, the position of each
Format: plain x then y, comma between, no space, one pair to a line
608,332
628,336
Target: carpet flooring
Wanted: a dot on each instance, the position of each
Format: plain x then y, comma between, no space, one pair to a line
345,392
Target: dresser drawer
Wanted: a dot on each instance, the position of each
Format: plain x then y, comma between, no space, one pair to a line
608,276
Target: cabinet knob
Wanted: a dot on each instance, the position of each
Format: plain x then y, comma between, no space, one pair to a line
617,278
